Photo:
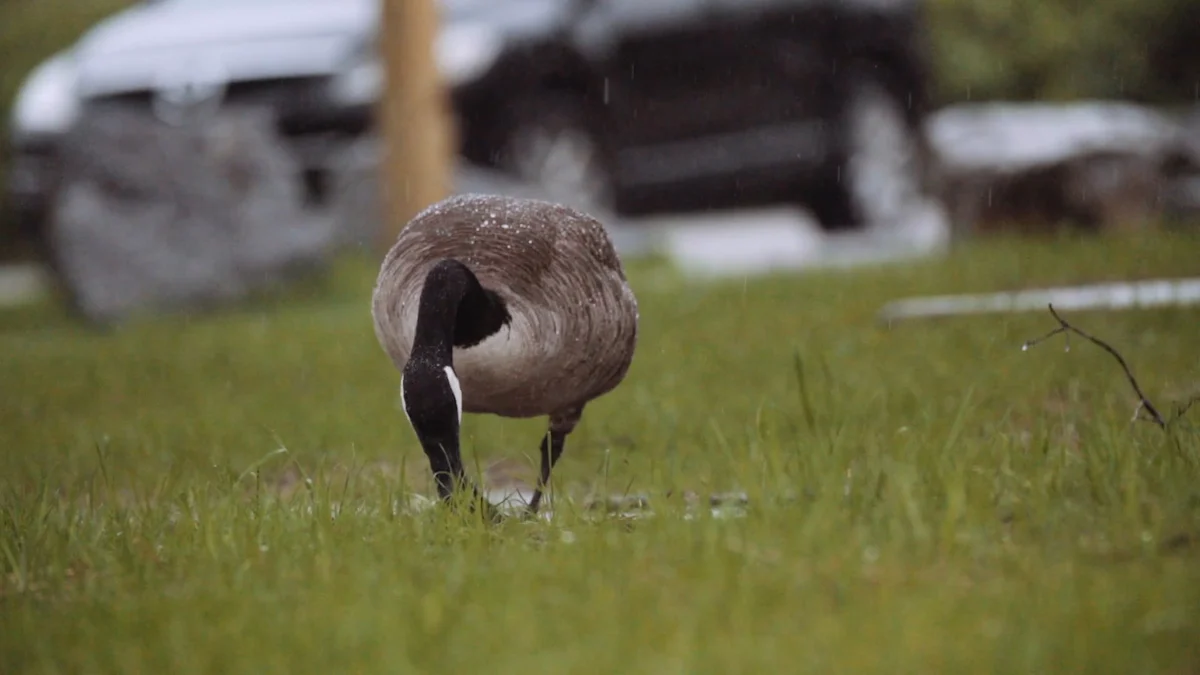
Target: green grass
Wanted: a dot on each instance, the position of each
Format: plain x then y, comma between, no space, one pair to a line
933,500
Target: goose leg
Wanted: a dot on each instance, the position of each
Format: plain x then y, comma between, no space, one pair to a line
561,424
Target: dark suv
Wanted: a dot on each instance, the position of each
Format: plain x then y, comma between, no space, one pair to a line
668,105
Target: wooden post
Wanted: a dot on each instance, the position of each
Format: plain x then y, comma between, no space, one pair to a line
419,144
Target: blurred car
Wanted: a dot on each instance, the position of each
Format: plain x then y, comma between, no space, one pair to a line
312,61
633,106
678,105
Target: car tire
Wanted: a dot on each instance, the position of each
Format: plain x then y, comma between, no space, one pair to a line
550,144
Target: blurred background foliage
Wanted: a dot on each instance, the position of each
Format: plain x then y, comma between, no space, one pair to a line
30,32
1142,50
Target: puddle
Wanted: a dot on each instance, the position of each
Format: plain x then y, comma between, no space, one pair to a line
511,501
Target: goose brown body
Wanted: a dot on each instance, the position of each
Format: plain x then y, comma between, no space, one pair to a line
574,319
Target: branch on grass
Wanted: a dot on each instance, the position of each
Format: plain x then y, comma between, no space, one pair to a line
1144,403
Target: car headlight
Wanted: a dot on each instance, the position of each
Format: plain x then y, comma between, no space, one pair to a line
47,102
466,51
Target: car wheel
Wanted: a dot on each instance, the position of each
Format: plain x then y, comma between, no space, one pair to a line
550,146
885,163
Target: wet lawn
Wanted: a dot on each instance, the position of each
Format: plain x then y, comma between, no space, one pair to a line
234,493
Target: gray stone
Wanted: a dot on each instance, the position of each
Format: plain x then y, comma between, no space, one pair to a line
356,204
150,217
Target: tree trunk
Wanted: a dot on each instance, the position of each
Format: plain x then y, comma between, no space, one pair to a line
418,137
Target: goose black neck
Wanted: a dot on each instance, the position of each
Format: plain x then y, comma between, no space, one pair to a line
455,310
447,284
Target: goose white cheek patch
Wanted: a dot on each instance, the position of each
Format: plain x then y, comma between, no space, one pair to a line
403,403
452,378
455,387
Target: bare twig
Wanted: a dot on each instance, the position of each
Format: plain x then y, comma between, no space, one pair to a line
1144,403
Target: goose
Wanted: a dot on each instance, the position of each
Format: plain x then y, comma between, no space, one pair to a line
516,307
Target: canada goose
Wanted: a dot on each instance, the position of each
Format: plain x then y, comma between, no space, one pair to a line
514,307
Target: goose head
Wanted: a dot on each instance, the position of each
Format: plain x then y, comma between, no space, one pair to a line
454,311
432,400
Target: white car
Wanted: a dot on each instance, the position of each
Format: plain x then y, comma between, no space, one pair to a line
313,61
